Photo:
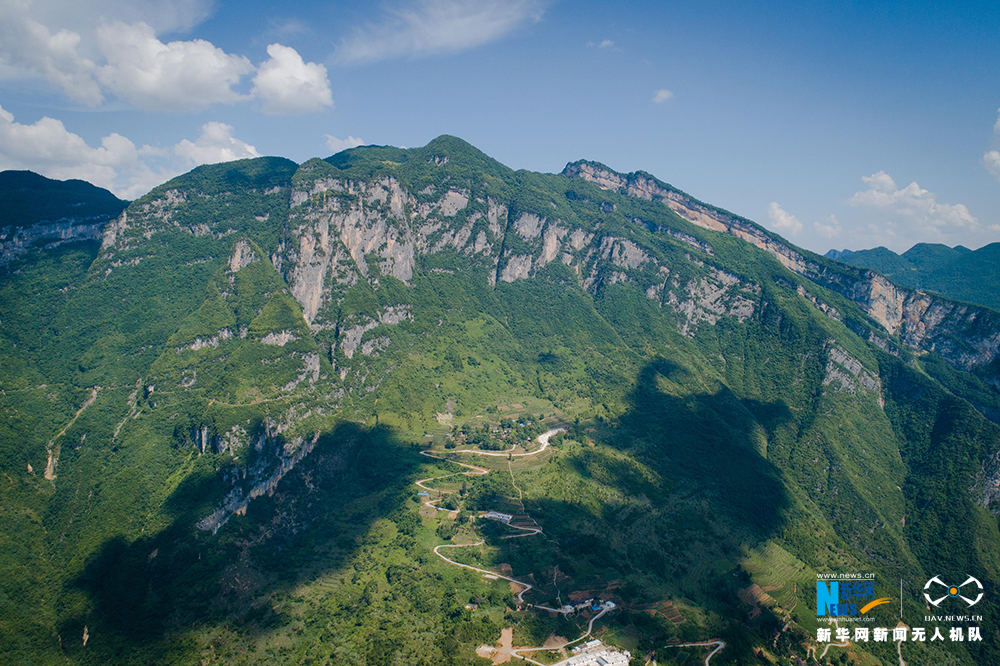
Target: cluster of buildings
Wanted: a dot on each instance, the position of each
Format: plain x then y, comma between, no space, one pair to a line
592,603
596,653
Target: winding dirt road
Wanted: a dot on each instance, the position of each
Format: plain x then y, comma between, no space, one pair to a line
719,647
542,439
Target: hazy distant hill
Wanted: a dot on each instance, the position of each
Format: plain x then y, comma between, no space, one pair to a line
213,422
37,212
967,275
27,198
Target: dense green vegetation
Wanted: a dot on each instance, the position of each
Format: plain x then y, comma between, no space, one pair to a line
27,198
241,489
956,272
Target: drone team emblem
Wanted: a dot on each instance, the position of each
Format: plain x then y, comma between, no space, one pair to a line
953,591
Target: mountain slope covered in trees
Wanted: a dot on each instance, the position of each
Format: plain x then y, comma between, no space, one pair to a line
955,272
213,423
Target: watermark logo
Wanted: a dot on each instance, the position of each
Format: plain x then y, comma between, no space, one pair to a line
846,597
952,591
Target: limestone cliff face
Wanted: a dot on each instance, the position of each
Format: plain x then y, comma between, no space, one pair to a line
345,230
18,241
260,478
967,336
39,213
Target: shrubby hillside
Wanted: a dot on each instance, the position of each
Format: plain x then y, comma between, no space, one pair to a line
215,417
954,272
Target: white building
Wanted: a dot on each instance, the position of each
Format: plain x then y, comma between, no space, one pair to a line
500,517
603,656
589,645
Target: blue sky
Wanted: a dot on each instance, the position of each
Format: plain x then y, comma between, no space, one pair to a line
836,124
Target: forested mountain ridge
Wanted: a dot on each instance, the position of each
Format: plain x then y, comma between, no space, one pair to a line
213,420
36,211
953,272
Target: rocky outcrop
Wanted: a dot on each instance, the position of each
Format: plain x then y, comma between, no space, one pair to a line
846,373
18,241
213,342
529,225
278,338
967,336
242,256
706,299
518,268
351,337
259,479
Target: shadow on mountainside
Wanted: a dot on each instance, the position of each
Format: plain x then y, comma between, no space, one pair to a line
153,590
669,504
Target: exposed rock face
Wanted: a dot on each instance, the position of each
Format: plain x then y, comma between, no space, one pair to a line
279,338
39,213
846,373
691,240
707,299
351,338
341,227
17,241
529,225
967,336
262,478
518,268
310,371
213,342
623,253
242,256
825,308
986,487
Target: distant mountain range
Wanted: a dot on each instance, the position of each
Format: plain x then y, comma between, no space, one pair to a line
956,272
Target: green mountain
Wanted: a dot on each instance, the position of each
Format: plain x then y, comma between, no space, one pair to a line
40,212
214,425
955,272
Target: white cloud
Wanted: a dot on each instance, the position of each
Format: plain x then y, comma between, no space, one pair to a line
215,144
83,16
662,95
991,161
100,58
48,148
829,230
286,84
55,39
28,47
783,221
173,76
606,44
337,145
914,205
427,27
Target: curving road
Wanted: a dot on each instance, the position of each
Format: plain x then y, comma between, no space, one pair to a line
542,439
486,572
476,471
590,628
720,646
830,645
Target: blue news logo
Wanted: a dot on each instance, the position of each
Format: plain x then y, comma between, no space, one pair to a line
846,597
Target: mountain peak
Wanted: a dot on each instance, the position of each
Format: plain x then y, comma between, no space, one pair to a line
27,198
